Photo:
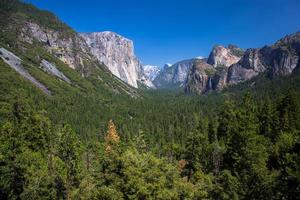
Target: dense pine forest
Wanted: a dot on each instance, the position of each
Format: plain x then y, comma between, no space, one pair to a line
238,148
87,141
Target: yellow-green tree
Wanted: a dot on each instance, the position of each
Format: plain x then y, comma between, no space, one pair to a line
112,138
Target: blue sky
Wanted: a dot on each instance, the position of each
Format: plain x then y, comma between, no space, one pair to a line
166,31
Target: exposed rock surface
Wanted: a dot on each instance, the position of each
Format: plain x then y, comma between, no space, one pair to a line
150,71
280,59
69,48
222,56
117,53
249,66
199,80
147,82
174,75
167,65
16,63
52,69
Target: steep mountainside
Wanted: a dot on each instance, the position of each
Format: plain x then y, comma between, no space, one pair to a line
174,75
16,63
45,62
279,59
199,75
151,72
117,53
45,45
69,48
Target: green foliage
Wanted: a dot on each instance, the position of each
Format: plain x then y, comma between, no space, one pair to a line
69,153
197,147
236,51
209,72
226,186
33,159
245,150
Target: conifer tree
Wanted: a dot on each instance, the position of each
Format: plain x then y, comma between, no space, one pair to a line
69,151
112,164
288,113
227,128
227,122
196,148
112,138
268,120
11,168
226,186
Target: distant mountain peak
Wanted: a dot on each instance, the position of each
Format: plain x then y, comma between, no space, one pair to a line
151,71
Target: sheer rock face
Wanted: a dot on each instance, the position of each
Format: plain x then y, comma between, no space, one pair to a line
117,53
174,75
249,66
199,79
211,74
69,48
150,71
221,56
280,59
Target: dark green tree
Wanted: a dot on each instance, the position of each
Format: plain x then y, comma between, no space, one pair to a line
226,187
69,151
12,168
196,149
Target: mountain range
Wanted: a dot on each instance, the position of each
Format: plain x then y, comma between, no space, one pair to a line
224,66
83,52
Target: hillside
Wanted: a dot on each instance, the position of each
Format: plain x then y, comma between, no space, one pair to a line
91,84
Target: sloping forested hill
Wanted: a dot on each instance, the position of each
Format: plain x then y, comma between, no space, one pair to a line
94,137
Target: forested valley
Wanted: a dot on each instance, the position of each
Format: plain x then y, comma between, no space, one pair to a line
93,136
243,148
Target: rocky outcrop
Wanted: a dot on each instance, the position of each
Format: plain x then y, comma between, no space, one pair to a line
222,56
146,82
16,63
280,59
52,69
117,53
249,66
177,74
199,79
174,75
151,72
148,74
69,47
